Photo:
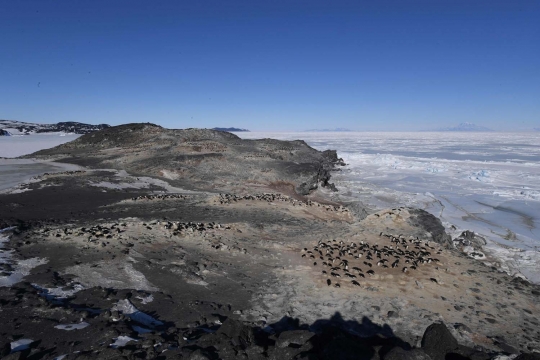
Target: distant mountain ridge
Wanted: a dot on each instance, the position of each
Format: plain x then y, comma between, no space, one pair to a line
466,127
13,127
329,130
230,129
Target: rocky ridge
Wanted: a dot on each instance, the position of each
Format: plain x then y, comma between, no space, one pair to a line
201,158
12,127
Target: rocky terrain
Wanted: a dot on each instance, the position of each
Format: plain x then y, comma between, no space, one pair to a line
12,127
196,244
200,158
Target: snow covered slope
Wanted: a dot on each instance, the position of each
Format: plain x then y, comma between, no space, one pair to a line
12,127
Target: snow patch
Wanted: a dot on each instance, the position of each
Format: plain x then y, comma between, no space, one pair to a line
69,327
121,341
127,308
20,345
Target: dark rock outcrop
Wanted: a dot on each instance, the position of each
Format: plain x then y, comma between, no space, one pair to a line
230,129
438,341
4,133
470,238
200,158
431,224
398,353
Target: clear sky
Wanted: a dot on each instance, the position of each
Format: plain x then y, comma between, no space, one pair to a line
272,64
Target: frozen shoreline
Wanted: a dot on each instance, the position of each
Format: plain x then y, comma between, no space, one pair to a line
19,145
489,184
16,172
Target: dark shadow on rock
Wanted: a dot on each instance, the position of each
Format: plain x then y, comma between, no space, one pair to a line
333,338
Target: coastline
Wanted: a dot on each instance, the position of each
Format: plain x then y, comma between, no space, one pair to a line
203,258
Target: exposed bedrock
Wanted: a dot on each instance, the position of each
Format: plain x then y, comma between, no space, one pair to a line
431,224
200,158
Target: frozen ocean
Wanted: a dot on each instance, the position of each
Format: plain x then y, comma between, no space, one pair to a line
485,182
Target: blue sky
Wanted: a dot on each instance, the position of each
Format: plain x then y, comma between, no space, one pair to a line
272,65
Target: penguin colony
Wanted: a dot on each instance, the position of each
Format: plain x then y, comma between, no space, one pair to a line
112,232
160,197
351,262
71,172
271,197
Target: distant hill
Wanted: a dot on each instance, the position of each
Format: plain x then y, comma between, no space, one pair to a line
466,127
13,127
328,130
230,129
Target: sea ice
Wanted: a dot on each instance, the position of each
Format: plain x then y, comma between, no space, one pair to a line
486,184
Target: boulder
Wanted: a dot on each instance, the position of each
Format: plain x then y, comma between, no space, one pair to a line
532,356
438,341
433,225
239,333
296,337
398,353
348,348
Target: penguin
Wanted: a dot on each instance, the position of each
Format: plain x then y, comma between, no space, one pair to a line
328,282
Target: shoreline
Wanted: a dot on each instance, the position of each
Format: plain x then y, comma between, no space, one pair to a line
241,251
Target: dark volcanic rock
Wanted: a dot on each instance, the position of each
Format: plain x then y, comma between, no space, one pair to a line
238,332
3,133
438,341
398,353
203,156
431,224
296,337
535,356
470,238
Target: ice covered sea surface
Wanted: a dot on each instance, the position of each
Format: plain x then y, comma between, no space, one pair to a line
18,145
485,182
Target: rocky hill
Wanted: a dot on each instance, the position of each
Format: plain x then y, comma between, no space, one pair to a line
12,127
200,158
230,129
